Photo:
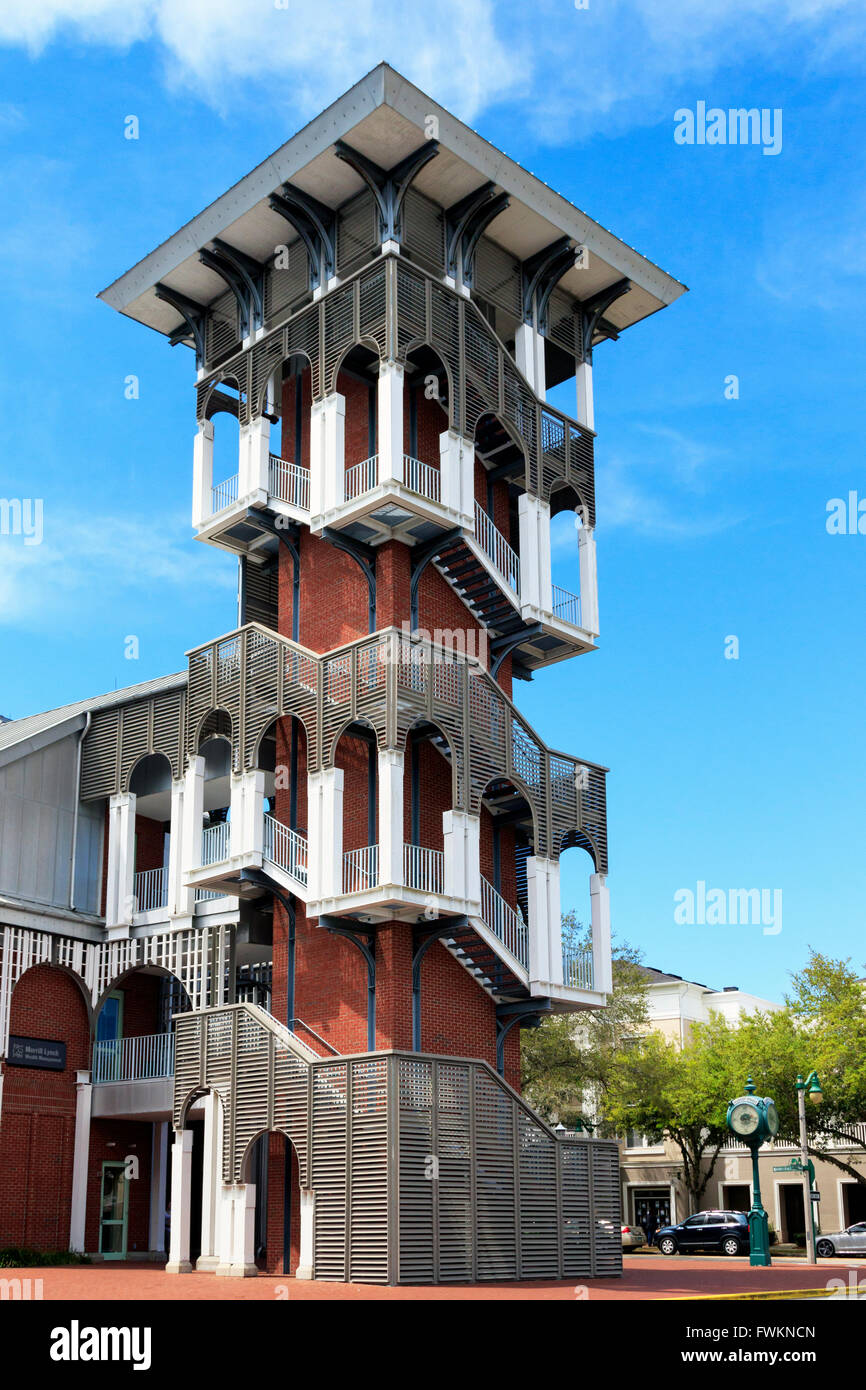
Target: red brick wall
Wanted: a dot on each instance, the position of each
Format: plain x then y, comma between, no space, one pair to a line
149,844
334,597
113,1141
458,1018
37,1125
278,1145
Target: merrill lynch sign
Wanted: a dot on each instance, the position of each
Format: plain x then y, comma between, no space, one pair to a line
36,1052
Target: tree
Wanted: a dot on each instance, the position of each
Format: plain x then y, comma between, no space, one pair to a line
677,1093
566,1062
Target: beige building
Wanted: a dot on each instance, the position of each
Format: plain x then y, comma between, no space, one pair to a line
653,1191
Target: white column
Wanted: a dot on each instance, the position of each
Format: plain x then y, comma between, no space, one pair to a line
237,1230
158,1184
588,580
246,827
602,969
327,454
545,921
529,355
536,588
585,404
254,450
461,838
390,816
325,815
193,815
305,1268
389,432
80,1159
181,1190
457,474
202,473
119,903
181,900
211,1182
224,1220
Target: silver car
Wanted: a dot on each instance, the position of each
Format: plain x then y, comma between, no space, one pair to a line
850,1242
633,1237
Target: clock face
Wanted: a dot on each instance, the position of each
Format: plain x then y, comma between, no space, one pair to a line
772,1118
744,1119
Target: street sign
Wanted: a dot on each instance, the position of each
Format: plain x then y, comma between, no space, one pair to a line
793,1167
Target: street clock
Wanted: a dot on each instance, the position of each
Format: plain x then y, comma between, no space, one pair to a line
753,1118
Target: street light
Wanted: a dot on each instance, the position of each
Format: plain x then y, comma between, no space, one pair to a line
811,1087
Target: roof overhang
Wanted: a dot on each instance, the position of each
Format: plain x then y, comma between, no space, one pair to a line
385,118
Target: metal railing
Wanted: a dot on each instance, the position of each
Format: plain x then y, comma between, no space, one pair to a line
500,554
505,923
150,889
133,1059
285,848
421,478
566,606
224,494
362,477
289,482
423,868
215,841
360,869
577,967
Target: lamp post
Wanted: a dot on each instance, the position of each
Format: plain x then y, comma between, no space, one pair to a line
753,1119
811,1087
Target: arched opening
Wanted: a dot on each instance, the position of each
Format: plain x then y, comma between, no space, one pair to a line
215,747
356,755
427,795
287,406
271,1163
356,380
133,1026
499,466
150,782
223,412
426,402
282,756
508,838
576,866
567,520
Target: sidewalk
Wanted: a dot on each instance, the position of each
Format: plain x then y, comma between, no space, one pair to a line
644,1277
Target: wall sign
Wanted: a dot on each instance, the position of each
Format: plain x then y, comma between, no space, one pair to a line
36,1052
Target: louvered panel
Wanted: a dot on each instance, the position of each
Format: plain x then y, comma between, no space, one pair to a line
497,276
187,1063
416,1189
168,718
99,756
287,285
200,692
562,322
455,1173
539,1236
495,1195
265,357
222,332
291,1102
576,1216
373,312
339,331
329,1169
135,737
424,231
261,690
483,358
357,233
445,332
411,305
302,336
606,1209
262,594
368,1221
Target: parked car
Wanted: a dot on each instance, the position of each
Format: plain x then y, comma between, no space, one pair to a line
850,1242
724,1231
633,1236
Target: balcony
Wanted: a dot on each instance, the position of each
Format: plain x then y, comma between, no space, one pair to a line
361,869
223,495
424,869
505,922
215,841
577,967
286,849
150,890
502,557
289,483
146,1058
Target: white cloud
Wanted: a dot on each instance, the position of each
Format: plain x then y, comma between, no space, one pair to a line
87,562
569,72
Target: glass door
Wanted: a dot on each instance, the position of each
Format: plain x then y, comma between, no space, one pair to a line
113,1213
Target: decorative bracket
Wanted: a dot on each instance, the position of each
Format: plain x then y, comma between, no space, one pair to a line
465,221
365,556
421,943
526,1012
315,224
541,273
388,186
366,944
592,310
244,277
193,314
420,557
501,646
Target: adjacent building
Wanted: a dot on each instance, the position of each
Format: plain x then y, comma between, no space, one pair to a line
270,925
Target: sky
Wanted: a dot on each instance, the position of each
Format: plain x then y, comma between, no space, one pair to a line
735,772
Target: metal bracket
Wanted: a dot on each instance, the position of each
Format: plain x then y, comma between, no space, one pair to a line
501,646
526,1012
388,186
420,557
421,943
193,314
465,222
540,274
366,944
593,308
315,224
365,556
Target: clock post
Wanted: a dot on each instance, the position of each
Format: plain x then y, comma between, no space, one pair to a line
752,1120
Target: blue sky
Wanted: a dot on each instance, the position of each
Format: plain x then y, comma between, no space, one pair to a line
745,773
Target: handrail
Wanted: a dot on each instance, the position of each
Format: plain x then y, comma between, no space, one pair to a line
505,922
224,494
423,869
286,848
324,1041
150,889
566,605
361,869
146,1058
577,967
422,478
215,840
504,559
289,482
361,477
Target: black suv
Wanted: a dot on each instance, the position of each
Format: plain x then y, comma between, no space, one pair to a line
725,1231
